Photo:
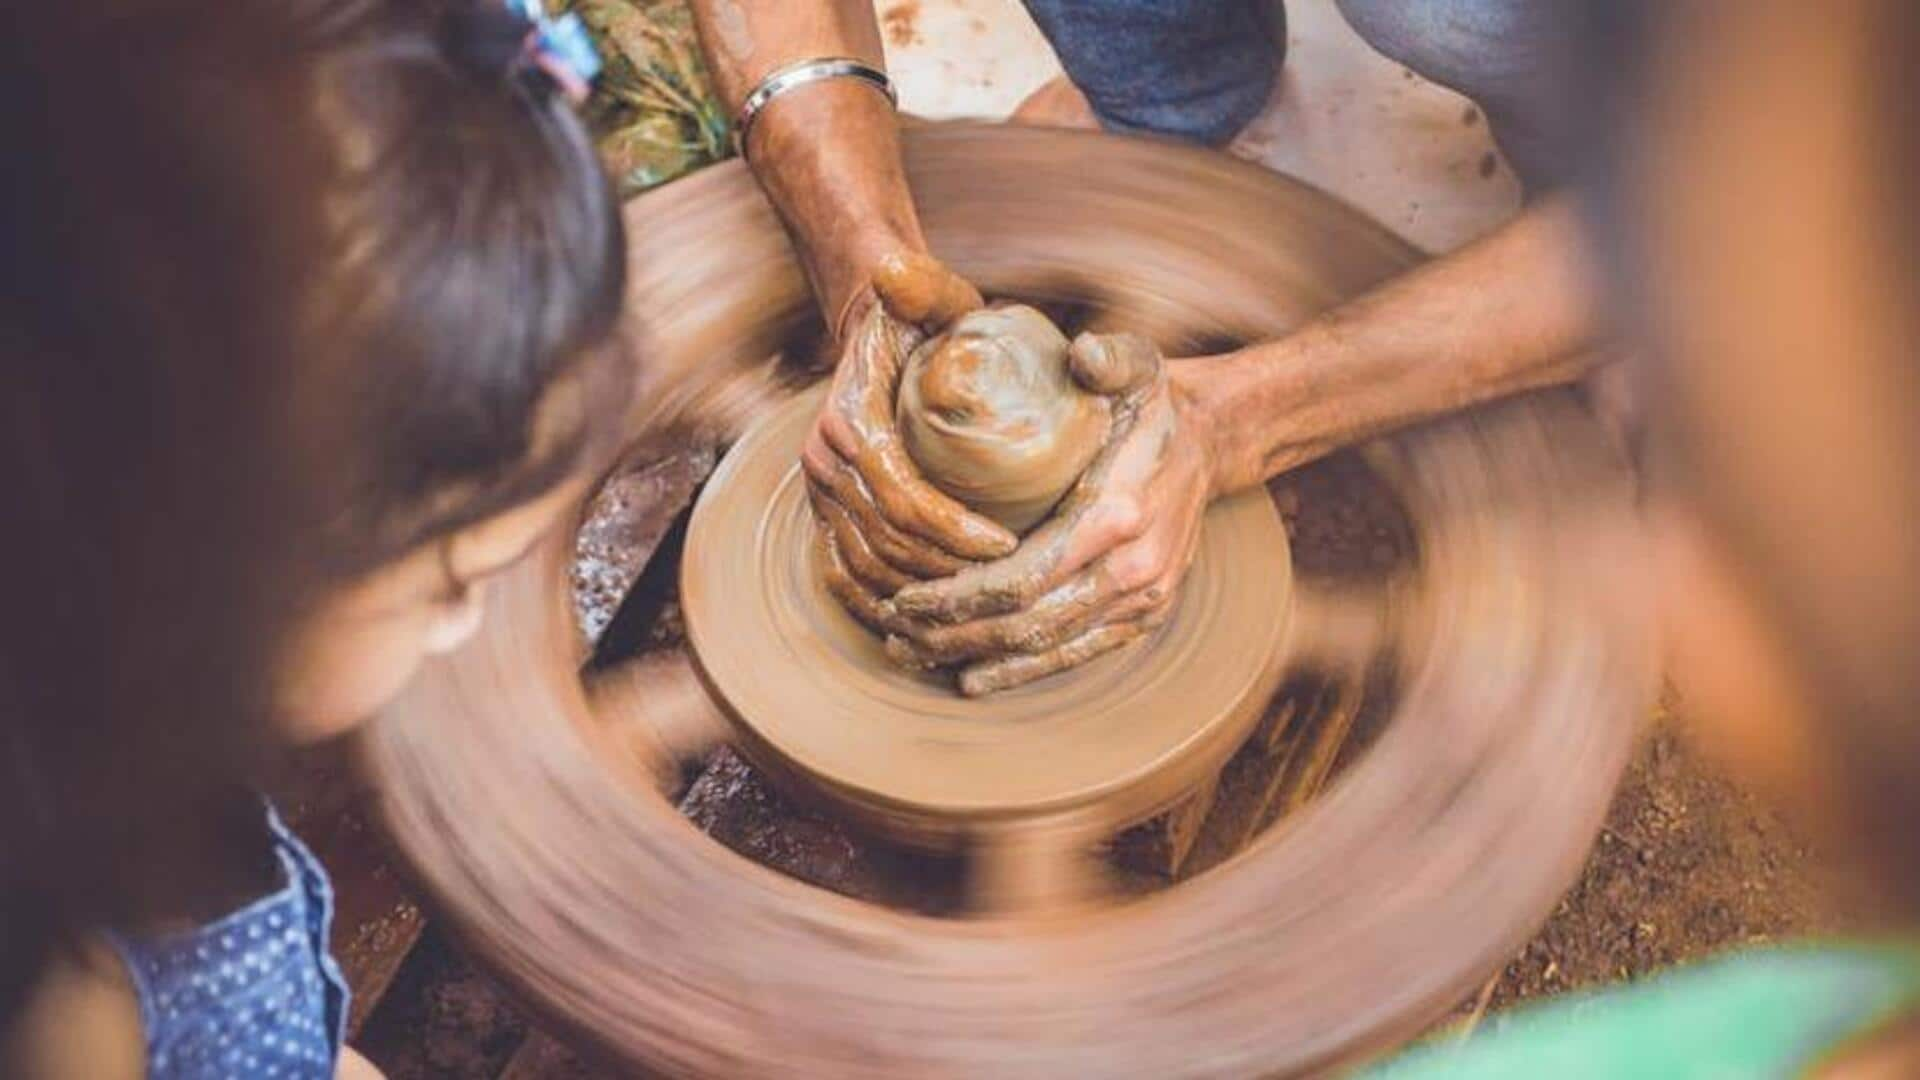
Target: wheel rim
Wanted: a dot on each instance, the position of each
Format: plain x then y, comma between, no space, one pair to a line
1360,918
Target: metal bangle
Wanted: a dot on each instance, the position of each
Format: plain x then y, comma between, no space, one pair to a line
799,74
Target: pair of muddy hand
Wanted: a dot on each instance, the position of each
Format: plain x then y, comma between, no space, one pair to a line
949,586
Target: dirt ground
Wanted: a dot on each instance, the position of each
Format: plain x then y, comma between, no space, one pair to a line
1688,863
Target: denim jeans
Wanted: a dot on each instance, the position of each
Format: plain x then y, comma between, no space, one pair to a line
1201,69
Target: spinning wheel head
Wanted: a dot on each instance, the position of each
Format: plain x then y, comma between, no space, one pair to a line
816,699
523,804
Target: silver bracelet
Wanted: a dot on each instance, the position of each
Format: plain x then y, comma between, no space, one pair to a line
799,74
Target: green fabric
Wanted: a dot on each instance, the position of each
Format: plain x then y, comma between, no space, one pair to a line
1759,1014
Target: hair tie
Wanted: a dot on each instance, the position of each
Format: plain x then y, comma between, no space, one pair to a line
560,47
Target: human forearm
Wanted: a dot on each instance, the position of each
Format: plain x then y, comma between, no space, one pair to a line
1511,312
828,153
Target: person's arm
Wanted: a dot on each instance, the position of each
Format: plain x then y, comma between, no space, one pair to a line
828,155
80,1020
1514,311
354,1065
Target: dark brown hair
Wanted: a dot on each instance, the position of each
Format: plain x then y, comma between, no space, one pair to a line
474,256
286,289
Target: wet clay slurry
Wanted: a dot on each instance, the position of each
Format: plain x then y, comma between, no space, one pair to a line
542,831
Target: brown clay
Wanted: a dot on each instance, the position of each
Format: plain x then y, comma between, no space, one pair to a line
993,418
817,695
1369,912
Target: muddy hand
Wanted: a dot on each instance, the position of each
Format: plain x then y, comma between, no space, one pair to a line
888,525
1104,569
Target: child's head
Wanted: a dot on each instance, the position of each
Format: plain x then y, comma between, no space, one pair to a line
305,311
472,272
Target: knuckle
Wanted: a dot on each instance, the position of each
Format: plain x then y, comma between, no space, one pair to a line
928,602
1006,588
1123,516
930,638
945,607
1132,569
1027,637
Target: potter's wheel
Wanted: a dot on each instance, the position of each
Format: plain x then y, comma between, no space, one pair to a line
815,695
534,805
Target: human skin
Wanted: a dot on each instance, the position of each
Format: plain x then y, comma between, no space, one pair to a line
1511,312
828,156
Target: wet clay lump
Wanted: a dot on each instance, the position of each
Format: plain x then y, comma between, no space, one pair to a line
990,413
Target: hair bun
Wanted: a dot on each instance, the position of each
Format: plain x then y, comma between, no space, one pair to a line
485,39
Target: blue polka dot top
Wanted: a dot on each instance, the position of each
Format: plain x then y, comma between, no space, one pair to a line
252,994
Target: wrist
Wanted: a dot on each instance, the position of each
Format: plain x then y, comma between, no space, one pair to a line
1200,419
828,156
1250,408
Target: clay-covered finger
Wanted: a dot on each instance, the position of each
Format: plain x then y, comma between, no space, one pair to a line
838,481
851,548
1102,512
1059,548
1133,583
1137,582
858,424
914,506
919,289
901,496
1016,670
861,603
904,653
994,588
1113,364
1099,515
1058,615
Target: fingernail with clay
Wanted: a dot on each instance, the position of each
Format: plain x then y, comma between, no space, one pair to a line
992,541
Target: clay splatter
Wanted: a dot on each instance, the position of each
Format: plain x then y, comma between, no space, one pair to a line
901,22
